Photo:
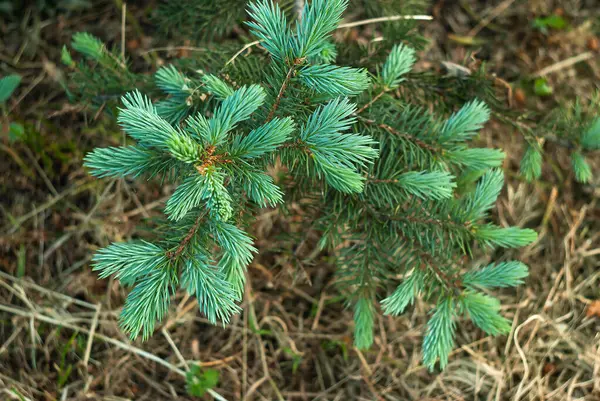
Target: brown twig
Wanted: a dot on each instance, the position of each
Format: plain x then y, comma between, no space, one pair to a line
284,86
430,262
175,254
366,106
394,131
451,283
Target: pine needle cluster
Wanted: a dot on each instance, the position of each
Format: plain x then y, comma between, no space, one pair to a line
384,175
574,126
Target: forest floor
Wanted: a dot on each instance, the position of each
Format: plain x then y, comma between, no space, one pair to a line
59,338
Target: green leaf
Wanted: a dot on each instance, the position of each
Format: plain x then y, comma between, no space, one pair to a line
16,132
334,154
234,109
337,175
474,205
184,148
261,189
21,261
65,57
142,122
196,188
427,184
237,250
8,85
296,359
476,158
553,21
542,88
198,381
126,160
334,117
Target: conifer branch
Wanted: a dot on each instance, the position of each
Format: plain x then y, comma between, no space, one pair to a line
284,86
174,255
393,131
370,103
389,202
450,283
429,221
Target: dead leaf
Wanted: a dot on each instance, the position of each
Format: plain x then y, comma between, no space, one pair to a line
593,309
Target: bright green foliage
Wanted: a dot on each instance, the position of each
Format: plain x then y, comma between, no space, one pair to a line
531,164
171,81
484,312
102,76
198,381
583,171
65,57
334,80
576,127
439,338
197,20
384,177
335,154
364,320
404,294
148,302
510,237
127,160
213,291
129,261
591,136
465,123
476,158
505,274
217,87
319,19
88,45
8,85
399,62
264,139
270,26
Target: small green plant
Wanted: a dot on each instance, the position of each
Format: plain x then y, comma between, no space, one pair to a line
8,85
575,127
199,381
86,84
544,24
383,175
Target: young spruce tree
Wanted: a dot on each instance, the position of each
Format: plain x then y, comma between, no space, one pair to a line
384,173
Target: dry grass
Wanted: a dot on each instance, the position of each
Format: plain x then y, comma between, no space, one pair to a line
59,338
